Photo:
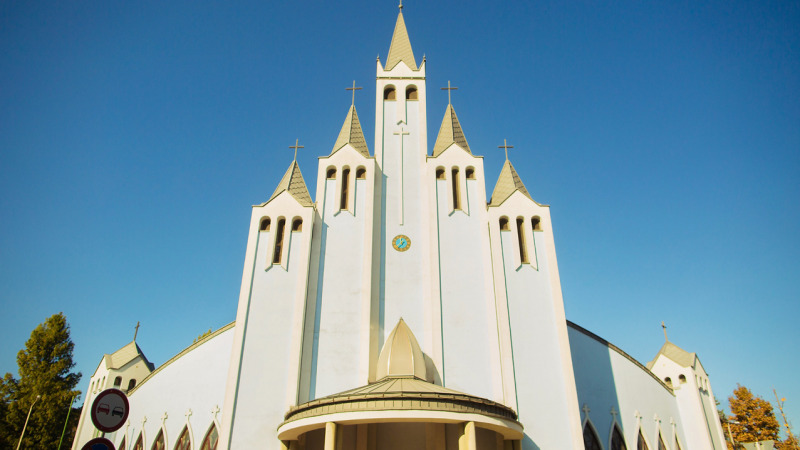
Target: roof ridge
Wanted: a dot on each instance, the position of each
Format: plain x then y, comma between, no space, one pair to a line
400,48
450,133
351,133
507,183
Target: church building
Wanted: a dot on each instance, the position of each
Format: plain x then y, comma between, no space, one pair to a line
405,307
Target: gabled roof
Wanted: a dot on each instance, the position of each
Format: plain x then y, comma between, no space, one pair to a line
351,134
400,49
508,183
675,353
450,133
125,355
293,183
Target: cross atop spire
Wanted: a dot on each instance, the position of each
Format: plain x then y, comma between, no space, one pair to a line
354,89
400,48
505,147
136,331
295,146
449,89
665,331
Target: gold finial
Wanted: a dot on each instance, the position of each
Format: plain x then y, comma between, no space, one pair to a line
401,5
505,147
295,147
354,89
665,331
448,89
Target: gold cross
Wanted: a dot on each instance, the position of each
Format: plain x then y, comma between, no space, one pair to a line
354,89
448,89
505,146
295,147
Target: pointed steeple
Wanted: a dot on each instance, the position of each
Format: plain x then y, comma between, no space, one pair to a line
450,133
400,49
401,355
351,134
293,183
507,184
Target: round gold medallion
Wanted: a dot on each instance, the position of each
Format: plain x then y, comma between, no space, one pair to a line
401,243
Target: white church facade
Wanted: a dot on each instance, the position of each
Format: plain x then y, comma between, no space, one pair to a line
400,308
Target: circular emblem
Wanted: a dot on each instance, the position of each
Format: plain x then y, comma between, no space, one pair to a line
109,410
401,243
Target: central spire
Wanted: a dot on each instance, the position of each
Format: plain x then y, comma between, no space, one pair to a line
400,49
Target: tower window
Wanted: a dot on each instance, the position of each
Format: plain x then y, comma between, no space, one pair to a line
617,441
440,174
264,225
504,224
411,93
523,251
590,439
331,173
682,378
536,223
456,190
345,188
276,254
668,381
297,224
132,384
361,173
470,173
117,382
389,93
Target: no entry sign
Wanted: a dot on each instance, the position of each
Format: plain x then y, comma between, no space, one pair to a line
110,410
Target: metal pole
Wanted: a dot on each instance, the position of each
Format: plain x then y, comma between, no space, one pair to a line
728,423
66,421
26,421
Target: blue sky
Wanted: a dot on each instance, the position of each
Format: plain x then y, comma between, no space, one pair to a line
666,137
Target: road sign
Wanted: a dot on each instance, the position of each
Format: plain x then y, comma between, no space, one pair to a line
110,410
99,444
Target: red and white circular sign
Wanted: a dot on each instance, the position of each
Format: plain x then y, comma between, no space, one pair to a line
110,410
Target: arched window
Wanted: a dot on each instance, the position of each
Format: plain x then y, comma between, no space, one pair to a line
345,188
264,225
210,441
682,378
278,251
361,173
389,93
139,445
121,445
456,189
677,443
640,443
504,224
297,224
661,445
523,249
411,93
536,223
470,173
131,384
590,439
331,173
184,440
159,443
617,441
668,381
440,174
117,382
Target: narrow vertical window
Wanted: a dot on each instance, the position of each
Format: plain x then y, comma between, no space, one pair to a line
590,439
121,444
345,188
640,443
523,250
139,445
331,173
297,224
661,445
617,441
470,173
504,224
440,173
184,442
536,223
276,254
117,382
159,443
361,173
677,443
456,191
411,93
389,93
264,225
210,441
131,384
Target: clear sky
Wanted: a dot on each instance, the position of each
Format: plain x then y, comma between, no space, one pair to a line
134,136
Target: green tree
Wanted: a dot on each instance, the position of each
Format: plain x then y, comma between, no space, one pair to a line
756,420
44,369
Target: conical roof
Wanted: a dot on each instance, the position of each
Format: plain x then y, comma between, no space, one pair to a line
450,133
507,184
351,134
401,355
293,183
400,49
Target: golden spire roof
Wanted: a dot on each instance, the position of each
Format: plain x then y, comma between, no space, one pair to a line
401,355
400,49
293,183
351,134
450,133
507,184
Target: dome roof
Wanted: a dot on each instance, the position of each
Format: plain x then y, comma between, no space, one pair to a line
401,355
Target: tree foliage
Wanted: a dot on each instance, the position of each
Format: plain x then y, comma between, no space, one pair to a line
44,370
756,420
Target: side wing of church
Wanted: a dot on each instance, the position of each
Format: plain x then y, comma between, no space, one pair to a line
403,307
